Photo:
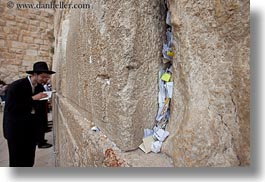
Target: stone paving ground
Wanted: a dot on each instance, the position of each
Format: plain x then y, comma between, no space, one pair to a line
44,157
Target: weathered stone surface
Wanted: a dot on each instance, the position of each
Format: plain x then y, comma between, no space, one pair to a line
78,146
210,120
112,64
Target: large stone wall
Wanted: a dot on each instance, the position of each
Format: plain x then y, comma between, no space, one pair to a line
26,36
210,121
107,60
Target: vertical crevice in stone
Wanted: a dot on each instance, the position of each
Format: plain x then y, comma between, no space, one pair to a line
158,133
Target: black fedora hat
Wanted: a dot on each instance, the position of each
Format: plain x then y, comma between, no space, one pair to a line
40,67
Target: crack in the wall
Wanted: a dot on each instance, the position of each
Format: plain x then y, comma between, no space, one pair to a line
235,108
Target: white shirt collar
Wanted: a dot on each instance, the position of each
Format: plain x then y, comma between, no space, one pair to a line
32,86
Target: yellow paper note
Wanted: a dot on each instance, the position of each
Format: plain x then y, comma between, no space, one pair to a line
170,53
166,77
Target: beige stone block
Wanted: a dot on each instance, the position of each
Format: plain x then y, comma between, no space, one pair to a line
17,62
11,23
2,43
11,37
29,58
22,20
43,53
48,13
104,153
2,23
23,69
12,68
31,52
50,26
34,22
110,70
2,35
3,69
3,49
23,12
7,55
47,42
6,30
38,41
34,34
28,63
2,8
14,30
45,48
43,58
32,28
19,56
9,17
22,26
9,78
20,45
35,12
30,16
203,99
16,77
28,39
26,33
43,25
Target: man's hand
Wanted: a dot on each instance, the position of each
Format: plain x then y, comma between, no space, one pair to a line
39,96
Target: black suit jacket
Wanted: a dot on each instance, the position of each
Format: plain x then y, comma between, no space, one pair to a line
18,121
41,114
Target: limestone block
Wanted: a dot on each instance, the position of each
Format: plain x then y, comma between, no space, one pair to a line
2,35
17,61
32,28
2,43
9,17
34,22
7,55
44,47
22,20
79,146
29,58
112,55
20,45
43,53
2,22
12,68
10,23
43,24
33,46
28,62
38,41
27,39
30,52
209,123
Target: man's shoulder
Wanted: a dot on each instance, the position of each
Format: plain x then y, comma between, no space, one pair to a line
18,82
